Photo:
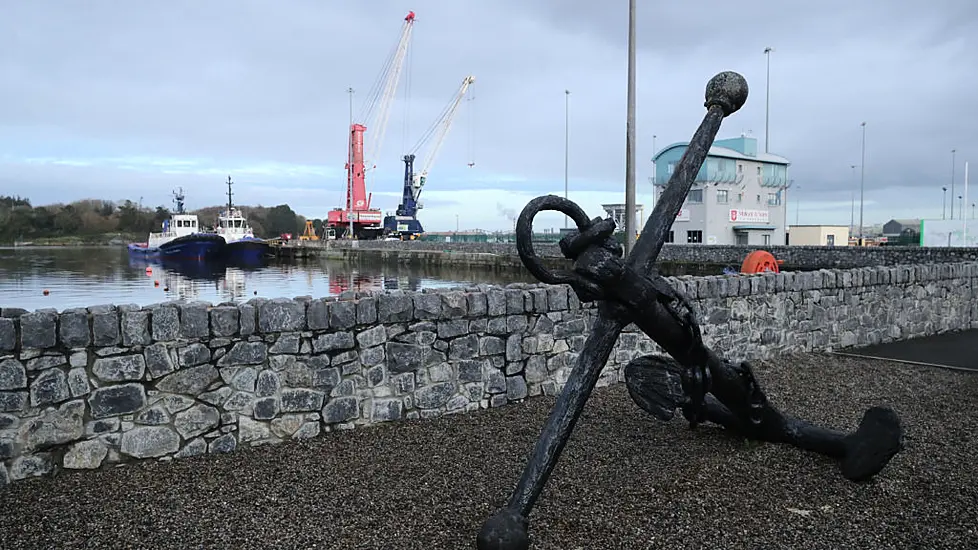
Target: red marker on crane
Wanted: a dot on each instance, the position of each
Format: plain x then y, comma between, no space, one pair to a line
410,16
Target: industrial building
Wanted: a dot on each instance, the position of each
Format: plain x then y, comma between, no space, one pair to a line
738,196
819,235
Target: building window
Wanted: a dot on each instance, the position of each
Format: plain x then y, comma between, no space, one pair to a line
767,240
721,196
758,170
742,239
671,237
740,168
758,199
740,197
694,237
830,240
671,168
696,196
773,199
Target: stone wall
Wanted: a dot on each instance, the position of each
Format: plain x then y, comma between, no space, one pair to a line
799,257
87,388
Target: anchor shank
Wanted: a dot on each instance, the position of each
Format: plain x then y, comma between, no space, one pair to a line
566,411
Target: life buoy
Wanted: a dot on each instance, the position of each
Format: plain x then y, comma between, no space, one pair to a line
760,261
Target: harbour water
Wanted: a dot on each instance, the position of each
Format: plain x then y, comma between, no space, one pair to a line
62,277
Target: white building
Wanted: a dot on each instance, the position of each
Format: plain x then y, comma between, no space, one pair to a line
617,212
738,196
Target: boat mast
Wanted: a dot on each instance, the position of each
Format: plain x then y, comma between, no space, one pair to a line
178,199
229,196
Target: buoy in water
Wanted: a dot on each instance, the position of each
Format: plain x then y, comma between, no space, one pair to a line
156,283
149,270
46,292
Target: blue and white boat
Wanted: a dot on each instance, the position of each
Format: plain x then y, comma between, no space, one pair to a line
241,243
181,239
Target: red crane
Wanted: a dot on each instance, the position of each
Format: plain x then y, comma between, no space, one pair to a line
357,216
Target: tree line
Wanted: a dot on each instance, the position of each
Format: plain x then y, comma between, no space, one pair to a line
100,220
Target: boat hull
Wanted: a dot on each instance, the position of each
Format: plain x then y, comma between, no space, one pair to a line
248,249
198,246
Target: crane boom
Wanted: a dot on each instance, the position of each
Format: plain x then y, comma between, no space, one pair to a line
362,220
439,130
377,110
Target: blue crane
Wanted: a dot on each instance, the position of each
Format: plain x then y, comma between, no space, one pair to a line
404,223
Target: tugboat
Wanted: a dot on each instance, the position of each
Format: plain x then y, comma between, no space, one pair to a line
181,238
233,227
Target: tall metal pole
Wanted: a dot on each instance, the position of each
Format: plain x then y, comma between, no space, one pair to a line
566,144
952,182
797,208
630,137
654,198
767,101
944,204
349,162
852,205
862,185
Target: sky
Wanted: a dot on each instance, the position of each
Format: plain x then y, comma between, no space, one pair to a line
131,100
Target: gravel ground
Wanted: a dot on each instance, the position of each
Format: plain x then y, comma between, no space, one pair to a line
625,480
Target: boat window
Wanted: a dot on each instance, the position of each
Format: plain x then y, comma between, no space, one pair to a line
237,223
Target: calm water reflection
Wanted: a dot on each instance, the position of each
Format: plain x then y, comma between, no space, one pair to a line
80,277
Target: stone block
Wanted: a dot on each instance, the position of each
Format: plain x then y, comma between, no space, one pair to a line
282,315
395,308
194,320
13,376
247,317
136,328
117,400
120,368
73,328
38,330
342,315
165,323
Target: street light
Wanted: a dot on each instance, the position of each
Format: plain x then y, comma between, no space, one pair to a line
944,204
767,101
566,144
797,206
630,136
952,182
960,207
862,185
349,163
852,205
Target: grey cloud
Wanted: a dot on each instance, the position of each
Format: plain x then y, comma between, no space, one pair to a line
266,82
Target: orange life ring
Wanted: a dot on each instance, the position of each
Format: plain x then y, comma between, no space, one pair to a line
760,261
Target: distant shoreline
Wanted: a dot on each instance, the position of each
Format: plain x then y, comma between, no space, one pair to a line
9,246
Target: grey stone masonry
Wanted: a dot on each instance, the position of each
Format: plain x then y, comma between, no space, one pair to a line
86,388
796,257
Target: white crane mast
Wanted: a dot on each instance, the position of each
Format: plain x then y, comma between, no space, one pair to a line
439,129
382,94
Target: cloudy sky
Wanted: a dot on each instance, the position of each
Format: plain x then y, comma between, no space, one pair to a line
115,100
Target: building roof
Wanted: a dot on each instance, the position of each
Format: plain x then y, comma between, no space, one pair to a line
726,152
905,222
